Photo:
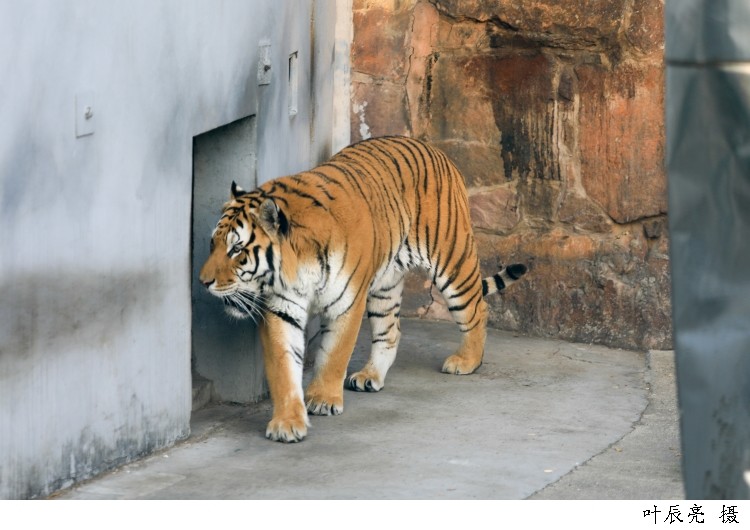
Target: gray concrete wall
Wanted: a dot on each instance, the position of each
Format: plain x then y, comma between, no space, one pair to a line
95,314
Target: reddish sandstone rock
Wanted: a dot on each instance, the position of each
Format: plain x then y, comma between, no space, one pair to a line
459,100
480,164
378,109
583,288
495,209
622,139
583,215
477,99
381,33
461,35
553,111
646,31
420,47
561,23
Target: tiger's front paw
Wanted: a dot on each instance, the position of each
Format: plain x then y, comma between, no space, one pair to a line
455,364
287,430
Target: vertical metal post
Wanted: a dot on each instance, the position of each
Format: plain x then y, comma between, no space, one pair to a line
708,163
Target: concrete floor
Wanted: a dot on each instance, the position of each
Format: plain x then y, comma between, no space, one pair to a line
540,419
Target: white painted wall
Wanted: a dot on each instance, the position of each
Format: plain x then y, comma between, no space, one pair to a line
95,231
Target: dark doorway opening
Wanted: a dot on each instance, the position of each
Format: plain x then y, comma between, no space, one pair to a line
226,356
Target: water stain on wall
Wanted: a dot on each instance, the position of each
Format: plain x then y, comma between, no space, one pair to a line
62,310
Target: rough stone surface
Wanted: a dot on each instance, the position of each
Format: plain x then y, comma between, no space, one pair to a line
495,209
646,33
378,109
563,23
622,134
481,164
581,287
379,47
553,111
582,215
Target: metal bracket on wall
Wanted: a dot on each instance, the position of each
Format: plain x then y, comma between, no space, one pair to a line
264,63
84,114
293,88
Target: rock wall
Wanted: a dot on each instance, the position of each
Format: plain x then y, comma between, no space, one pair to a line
553,110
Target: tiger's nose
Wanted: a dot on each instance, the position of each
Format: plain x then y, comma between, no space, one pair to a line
206,279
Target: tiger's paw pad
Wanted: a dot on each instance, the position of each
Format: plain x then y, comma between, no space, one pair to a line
325,407
286,430
459,366
360,382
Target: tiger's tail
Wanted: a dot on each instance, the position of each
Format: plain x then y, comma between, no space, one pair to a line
503,279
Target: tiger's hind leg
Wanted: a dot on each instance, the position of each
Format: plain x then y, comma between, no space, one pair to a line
383,311
469,310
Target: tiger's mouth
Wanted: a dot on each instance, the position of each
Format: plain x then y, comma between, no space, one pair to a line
242,305
234,308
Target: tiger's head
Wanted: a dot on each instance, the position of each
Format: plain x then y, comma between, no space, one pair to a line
245,252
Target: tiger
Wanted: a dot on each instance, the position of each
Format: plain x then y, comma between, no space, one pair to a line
336,242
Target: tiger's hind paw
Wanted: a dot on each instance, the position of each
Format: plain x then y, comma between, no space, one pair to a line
324,402
324,408
458,365
362,382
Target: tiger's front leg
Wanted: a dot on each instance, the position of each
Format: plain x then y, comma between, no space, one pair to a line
325,394
283,354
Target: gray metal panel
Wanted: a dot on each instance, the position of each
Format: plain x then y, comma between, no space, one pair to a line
708,162
707,30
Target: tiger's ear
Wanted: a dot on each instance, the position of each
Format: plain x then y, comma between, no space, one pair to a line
237,192
272,218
